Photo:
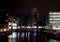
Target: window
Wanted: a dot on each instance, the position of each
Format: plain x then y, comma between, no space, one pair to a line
54,20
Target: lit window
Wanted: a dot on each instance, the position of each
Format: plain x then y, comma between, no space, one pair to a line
50,13
56,13
14,24
22,26
9,27
54,18
28,26
34,27
9,23
14,27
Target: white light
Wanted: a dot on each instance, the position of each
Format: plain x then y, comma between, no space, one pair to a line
14,27
54,19
10,36
9,23
56,28
9,27
34,27
56,13
22,26
55,16
28,26
14,19
41,27
14,24
50,13
14,35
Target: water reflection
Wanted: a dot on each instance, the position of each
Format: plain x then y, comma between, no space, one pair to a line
13,35
20,37
17,37
25,37
53,40
12,40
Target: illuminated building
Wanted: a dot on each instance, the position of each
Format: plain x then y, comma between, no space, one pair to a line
35,16
54,20
13,23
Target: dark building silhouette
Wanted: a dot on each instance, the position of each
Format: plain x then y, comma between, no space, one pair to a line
3,18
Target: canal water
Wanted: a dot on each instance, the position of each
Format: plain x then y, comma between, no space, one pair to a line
26,37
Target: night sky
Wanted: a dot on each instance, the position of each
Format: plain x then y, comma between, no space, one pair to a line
23,7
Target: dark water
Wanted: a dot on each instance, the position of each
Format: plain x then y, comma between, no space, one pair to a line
25,37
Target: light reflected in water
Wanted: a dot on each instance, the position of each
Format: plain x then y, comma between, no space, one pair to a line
19,34
16,37
12,40
25,37
22,35
13,35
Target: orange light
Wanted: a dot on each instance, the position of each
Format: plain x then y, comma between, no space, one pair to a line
5,30
18,27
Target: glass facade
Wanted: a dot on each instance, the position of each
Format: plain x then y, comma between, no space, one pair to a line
54,20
